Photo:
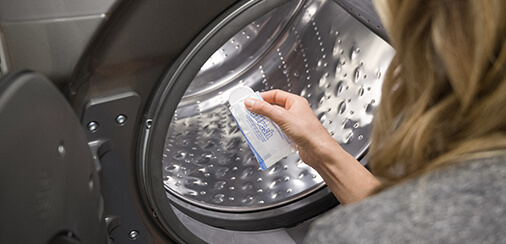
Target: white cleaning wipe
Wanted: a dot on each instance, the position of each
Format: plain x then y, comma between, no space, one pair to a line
268,143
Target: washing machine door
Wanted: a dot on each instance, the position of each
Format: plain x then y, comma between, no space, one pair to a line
198,169
49,181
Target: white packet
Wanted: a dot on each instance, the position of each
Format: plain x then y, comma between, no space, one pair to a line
268,143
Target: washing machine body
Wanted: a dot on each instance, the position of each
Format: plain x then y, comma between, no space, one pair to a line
156,155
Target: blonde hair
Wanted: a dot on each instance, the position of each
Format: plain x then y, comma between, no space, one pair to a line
444,94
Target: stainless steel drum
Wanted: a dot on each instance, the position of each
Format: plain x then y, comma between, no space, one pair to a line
312,48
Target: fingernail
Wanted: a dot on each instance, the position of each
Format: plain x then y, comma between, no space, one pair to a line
249,102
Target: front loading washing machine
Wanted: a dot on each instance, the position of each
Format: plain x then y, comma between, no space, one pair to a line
138,145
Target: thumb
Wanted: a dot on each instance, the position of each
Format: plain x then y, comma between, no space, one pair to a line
275,113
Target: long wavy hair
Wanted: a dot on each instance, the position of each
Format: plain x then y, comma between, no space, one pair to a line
444,94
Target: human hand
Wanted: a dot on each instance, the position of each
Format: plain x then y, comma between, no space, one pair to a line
344,175
295,117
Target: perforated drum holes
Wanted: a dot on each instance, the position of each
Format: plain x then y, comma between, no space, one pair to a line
323,54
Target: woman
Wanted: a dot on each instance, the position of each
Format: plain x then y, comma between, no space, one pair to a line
439,139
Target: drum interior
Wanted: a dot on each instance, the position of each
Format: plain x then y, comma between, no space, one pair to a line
316,50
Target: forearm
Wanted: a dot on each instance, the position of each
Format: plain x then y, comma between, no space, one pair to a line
345,176
348,180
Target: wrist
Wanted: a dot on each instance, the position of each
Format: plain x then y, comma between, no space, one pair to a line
327,151
344,175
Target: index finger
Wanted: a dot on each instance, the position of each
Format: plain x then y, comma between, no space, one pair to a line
279,97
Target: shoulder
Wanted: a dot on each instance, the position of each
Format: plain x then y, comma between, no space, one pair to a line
463,203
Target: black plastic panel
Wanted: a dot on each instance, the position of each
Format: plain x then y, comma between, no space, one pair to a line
48,180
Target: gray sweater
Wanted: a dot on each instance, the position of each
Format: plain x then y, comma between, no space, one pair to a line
465,203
